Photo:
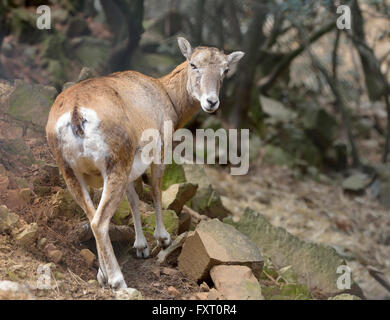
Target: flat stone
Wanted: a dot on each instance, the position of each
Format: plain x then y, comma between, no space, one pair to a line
356,183
236,282
214,243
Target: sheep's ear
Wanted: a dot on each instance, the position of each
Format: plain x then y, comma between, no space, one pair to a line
185,47
234,57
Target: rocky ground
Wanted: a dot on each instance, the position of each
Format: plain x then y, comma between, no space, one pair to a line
357,226
41,227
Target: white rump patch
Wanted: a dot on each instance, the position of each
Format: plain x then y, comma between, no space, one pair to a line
84,154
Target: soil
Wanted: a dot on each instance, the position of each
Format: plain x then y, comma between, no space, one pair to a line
318,211
71,275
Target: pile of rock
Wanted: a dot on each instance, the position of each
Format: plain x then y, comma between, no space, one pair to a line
225,259
213,253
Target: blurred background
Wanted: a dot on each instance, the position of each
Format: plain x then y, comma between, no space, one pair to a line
307,88
315,98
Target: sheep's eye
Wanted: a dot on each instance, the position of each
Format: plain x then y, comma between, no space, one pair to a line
226,71
193,66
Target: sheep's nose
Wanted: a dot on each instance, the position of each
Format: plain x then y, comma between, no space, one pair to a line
212,103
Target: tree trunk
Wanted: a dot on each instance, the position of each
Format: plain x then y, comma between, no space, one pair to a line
125,20
269,81
231,11
376,84
244,81
340,103
199,15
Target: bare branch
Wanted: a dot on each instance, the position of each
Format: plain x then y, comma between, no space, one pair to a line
380,277
340,103
266,83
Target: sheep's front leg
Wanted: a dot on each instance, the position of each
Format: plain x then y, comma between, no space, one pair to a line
160,233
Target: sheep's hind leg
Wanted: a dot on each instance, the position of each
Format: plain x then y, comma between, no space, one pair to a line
140,243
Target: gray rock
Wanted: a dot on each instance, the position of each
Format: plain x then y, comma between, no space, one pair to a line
356,183
314,264
276,110
30,103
